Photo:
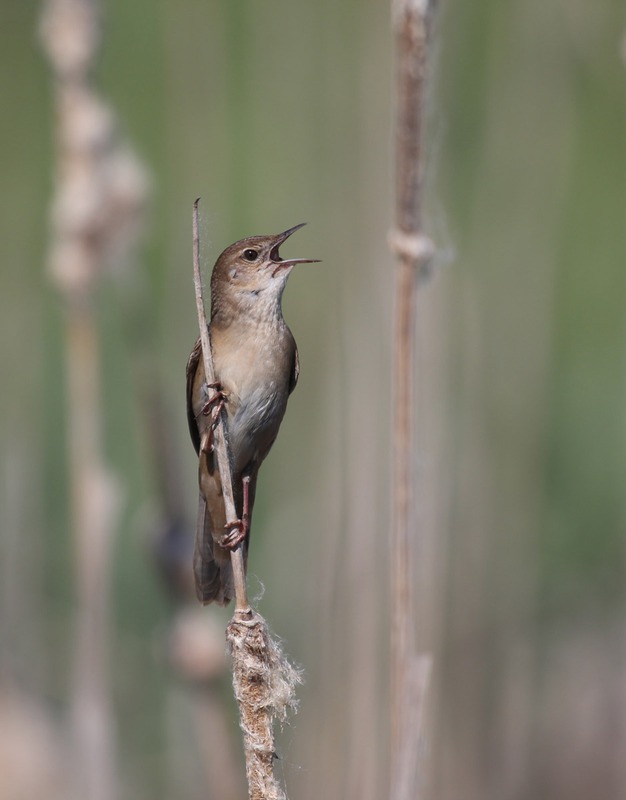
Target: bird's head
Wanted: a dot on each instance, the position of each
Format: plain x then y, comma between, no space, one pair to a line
252,271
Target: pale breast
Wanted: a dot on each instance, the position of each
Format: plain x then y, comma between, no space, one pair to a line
253,365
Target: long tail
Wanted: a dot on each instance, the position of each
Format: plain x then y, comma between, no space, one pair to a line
211,563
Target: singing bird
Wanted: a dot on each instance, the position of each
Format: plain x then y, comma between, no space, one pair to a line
256,368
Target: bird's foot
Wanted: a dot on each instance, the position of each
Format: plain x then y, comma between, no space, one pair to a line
236,532
217,401
213,406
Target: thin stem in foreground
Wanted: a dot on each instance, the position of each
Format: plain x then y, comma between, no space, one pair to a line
219,441
263,679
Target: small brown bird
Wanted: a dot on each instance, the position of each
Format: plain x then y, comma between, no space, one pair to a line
256,368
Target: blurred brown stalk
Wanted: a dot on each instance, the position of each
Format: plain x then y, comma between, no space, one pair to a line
413,250
99,194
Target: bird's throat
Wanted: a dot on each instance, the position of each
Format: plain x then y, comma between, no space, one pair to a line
258,306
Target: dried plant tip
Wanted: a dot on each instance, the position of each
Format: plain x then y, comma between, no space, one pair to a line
264,683
71,31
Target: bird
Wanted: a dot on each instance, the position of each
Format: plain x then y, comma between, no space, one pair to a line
256,367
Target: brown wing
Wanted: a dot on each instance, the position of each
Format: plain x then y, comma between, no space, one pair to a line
295,369
192,366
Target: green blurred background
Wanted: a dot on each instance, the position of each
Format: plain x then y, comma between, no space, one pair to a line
274,114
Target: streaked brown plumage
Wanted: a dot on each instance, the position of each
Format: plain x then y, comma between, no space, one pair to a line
256,365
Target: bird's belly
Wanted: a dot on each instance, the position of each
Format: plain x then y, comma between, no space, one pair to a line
254,423
257,394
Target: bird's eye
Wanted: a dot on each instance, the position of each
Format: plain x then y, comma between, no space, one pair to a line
250,255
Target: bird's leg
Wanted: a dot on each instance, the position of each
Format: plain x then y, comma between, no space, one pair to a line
214,406
238,530
245,517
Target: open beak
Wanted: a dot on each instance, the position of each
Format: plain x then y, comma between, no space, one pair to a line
288,262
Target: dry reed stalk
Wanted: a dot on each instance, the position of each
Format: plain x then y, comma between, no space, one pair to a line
413,251
220,447
263,679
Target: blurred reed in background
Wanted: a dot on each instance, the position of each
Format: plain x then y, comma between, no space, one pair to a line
276,114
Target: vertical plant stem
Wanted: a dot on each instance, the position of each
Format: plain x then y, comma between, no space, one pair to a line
97,209
219,438
95,504
413,250
263,679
